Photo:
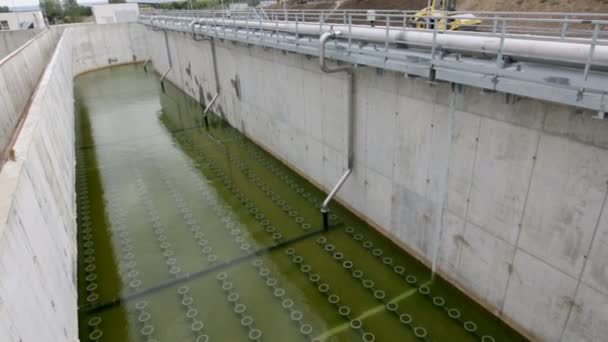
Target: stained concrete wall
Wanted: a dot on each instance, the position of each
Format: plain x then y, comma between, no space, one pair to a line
37,210
11,40
520,214
97,46
19,74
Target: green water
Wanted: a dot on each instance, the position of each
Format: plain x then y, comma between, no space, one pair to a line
195,234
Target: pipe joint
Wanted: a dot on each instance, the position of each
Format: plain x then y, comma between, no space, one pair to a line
323,40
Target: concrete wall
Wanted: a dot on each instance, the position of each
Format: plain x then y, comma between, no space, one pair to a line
23,20
98,46
37,199
19,74
11,40
115,13
37,212
519,216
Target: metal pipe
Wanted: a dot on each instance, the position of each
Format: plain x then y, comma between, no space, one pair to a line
325,37
211,103
162,79
146,63
514,45
332,193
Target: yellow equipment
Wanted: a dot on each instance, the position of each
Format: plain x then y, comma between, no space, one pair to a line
437,14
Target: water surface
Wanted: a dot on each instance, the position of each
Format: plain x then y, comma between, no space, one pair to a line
188,233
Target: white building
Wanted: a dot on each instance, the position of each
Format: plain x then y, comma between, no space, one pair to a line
21,20
115,13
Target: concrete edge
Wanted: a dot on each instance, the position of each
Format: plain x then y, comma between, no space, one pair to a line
11,171
26,44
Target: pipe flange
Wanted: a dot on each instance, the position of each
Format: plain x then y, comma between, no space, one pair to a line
287,303
344,310
191,313
305,268
333,299
254,334
420,332
279,292
487,338
93,297
314,278
264,272
144,317
399,269
199,338
405,319
296,315
187,301
425,290
438,301
306,329
411,279
368,337
356,324
470,326
141,305
147,330
95,335
240,308
226,286
233,297
197,325
94,321
358,274
246,321
323,288
454,313
392,307
379,294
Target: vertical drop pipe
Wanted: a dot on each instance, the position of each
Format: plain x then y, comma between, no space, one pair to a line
325,37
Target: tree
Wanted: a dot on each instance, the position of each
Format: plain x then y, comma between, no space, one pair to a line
4,9
117,1
71,10
51,9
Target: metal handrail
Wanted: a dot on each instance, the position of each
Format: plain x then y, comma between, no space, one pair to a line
580,44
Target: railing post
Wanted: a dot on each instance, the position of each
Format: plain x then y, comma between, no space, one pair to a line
564,28
387,22
500,62
596,32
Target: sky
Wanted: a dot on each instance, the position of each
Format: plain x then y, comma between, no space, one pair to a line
28,3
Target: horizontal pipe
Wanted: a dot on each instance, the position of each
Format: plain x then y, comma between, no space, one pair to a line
522,46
